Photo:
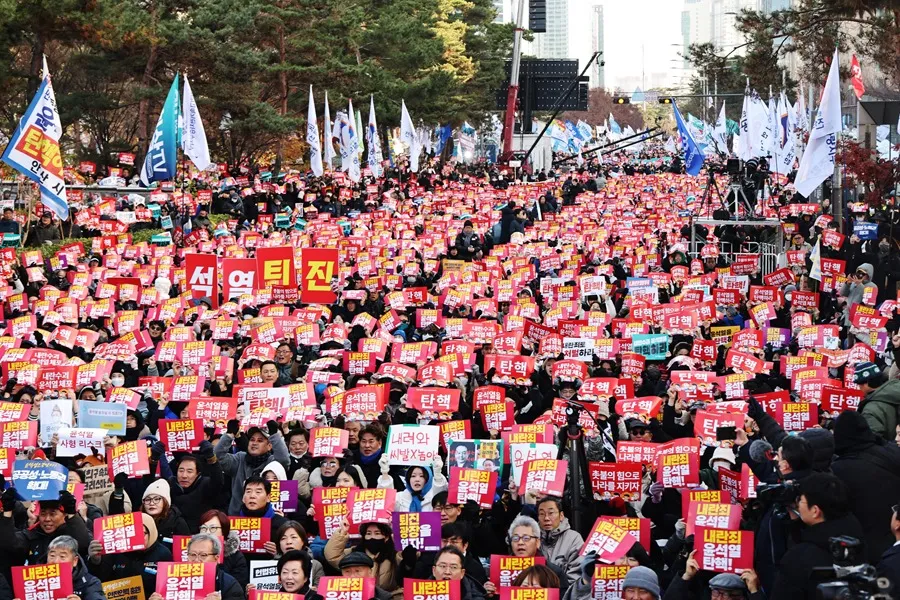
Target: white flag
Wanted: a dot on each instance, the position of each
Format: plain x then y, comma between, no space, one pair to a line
758,126
326,133
359,133
785,153
816,257
193,140
372,142
744,151
720,133
408,137
817,163
312,138
670,146
350,145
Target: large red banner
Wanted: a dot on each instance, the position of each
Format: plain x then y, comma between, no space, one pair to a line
318,267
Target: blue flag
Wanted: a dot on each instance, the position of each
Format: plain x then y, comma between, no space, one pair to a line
161,160
693,157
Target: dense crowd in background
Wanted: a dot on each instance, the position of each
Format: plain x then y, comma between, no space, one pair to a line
576,292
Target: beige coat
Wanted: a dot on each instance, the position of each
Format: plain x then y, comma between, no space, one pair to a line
385,573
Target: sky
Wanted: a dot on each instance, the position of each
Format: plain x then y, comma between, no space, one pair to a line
629,24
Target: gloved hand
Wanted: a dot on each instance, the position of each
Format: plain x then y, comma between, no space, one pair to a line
156,451
272,427
67,502
233,427
120,480
680,528
8,499
383,463
754,409
656,491
409,555
587,566
437,465
206,450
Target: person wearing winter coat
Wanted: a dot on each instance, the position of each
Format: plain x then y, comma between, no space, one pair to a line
55,519
264,446
863,458
63,550
422,483
215,522
824,508
881,402
198,480
109,567
205,548
561,544
157,503
889,564
449,565
378,544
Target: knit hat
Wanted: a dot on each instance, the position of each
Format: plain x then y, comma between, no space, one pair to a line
150,524
852,433
356,559
160,487
865,372
642,578
467,224
822,442
722,453
727,581
277,468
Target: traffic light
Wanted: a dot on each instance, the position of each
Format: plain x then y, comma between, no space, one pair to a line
537,16
621,100
665,100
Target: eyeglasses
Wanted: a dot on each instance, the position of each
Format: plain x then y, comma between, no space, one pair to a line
446,508
200,555
153,499
210,528
637,431
523,538
330,463
447,567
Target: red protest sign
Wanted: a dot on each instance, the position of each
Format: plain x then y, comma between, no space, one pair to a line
616,479
370,506
715,496
510,369
346,588
505,569
722,550
129,458
610,542
472,484
330,504
609,580
433,400
796,416
253,532
487,394
713,514
429,589
544,475
318,267
238,277
648,406
18,435
181,435
678,463
328,441
836,400
120,533
201,273
637,452
498,416
707,422
275,266
639,528
190,580
42,582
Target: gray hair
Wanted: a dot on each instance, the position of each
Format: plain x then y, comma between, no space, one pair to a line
206,537
524,521
66,542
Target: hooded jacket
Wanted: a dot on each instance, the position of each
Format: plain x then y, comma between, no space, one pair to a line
862,460
879,408
793,581
239,465
561,546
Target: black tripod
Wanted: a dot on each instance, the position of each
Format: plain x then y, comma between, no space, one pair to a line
571,440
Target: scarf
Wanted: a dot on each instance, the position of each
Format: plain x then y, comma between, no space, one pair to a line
417,497
368,460
258,462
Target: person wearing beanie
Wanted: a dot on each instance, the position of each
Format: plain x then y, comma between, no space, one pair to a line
881,402
157,502
468,243
864,458
641,583
108,567
422,483
822,443
693,581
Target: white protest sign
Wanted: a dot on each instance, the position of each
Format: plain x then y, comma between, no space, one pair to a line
413,444
55,414
264,575
519,454
79,440
578,349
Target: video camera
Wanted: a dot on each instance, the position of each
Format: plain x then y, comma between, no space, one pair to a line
849,577
780,495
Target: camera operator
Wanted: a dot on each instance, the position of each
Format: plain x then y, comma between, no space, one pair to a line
824,509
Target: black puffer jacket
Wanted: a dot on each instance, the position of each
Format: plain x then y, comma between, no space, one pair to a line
85,585
196,499
173,524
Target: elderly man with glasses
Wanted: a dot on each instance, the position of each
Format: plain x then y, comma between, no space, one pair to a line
525,542
206,548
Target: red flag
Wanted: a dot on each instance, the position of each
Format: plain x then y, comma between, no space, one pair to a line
856,78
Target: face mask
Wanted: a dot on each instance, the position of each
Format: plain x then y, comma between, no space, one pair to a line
374,546
118,381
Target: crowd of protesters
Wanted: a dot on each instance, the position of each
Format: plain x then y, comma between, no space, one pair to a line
598,253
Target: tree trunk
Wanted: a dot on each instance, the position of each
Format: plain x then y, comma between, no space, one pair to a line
37,63
283,108
144,105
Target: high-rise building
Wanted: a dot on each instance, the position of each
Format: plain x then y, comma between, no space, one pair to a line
598,77
504,11
554,43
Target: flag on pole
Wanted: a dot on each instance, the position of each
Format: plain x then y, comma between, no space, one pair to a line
359,133
193,142
817,163
720,132
744,150
161,160
351,146
816,257
856,78
693,157
33,148
372,142
408,137
614,127
326,134
312,137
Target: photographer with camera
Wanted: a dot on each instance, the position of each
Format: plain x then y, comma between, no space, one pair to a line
824,509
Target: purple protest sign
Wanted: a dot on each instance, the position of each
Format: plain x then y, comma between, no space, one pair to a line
284,495
777,336
420,530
